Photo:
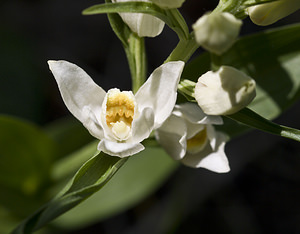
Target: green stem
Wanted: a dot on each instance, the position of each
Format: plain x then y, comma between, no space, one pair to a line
252,119
177,23
187,89
184,50
136,55
216,61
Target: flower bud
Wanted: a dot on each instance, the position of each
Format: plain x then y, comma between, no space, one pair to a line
169,4
216,32
144,25
269,13
224,92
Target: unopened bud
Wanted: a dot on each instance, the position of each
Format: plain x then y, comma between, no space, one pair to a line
143,25
216,32
224,92
269,13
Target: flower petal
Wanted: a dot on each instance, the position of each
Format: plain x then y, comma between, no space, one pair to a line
212,160
172,137
159,92
143,126
81,95
194,114
194,117
119,149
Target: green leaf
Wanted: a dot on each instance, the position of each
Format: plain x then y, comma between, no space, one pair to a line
140,176
272,58
92,176
171,17
251,119
119,27
25,160
69,134
65,167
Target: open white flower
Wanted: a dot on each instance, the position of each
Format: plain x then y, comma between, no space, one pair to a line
120,120
225,91
269,13
144,25
217,31
188,135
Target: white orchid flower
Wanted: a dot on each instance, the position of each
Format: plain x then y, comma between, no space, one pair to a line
120,120
225,91
269,13
217,31
144,25
188,135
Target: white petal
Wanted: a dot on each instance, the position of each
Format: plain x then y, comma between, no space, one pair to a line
159,92
194,117
81,95
212,160
143,24
119,149
172,137
142,126
194,114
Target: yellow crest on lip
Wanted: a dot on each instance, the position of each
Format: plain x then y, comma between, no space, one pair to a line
120,112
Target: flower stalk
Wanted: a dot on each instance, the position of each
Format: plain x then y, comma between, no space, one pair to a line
136,55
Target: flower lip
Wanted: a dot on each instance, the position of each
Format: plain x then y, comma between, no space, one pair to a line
119,110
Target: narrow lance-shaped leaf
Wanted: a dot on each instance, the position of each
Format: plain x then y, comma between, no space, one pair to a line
91,177
142,175
252,119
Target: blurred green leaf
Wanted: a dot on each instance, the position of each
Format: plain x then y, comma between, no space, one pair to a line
64,168
140,176
25,161
272,58
92,176
7,220
69,134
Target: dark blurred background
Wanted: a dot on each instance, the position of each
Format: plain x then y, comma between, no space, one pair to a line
259,195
